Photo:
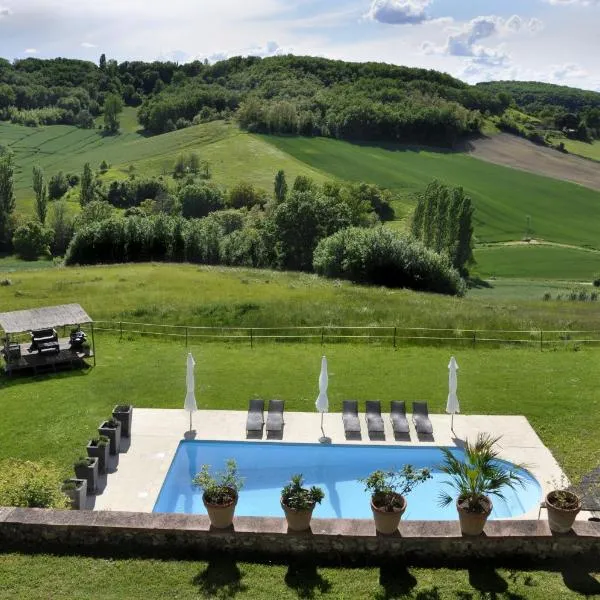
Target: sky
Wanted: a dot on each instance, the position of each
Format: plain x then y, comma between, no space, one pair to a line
557,41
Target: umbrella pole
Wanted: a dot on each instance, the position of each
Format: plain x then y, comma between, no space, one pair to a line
324,439
190,421
452,423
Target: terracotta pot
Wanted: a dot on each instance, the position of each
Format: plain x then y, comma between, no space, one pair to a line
561,520
387,522
221,515
297,520
472,523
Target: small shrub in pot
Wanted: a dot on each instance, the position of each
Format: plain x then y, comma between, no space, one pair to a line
299,502
76,491
124,413
112,430
220,493
86,468
99,447
563,507
388,490
476,478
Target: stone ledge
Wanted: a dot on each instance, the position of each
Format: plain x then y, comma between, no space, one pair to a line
256,538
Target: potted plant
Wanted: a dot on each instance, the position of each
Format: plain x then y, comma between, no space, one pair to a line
87,468
563,507
99,447
388,494
299,502
474,479
220,493
123,413
76,491
112,430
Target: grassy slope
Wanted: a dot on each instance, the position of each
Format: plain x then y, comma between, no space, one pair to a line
192,295
582,148
233,155
222,580
561,211
538,262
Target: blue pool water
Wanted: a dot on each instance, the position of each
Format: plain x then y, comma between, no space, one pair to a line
267,467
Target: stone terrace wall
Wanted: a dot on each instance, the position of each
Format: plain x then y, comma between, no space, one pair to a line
336,541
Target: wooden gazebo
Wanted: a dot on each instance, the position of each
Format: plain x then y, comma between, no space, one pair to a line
47,348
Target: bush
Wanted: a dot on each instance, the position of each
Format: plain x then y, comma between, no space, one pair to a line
32,240
596,280
30,485
244,248
244,195
57,186
380,257
198,200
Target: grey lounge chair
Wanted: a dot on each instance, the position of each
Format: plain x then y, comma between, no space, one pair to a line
373,416
255,420
398,417
421,418
275,416
350,417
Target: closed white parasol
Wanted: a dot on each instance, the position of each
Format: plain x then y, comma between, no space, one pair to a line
452,406
322,402
190,397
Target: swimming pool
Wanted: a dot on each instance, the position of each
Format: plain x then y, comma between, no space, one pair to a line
267,467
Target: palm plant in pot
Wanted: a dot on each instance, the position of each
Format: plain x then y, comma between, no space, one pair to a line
299,502
388,494
480,475
563,507
219,493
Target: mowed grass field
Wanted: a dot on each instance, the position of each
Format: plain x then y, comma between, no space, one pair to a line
221,296
538,261
504,197
583,148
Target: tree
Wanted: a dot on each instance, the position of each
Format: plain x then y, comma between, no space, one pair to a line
102,62
243,195
94,212
86,192
57,186
32,240
7,96
84,119
198,200
41,194
463,255
7,198
280,187
61,226
113,106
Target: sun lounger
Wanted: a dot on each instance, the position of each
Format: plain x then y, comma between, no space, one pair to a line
421,418
373,416
398,417
350,417
275,416
255,421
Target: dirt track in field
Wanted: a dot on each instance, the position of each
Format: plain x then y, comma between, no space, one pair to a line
512,151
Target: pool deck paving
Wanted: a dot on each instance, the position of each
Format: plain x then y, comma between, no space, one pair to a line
138,474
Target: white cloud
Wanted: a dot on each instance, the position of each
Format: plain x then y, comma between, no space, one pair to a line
398,12
88,45
269,49
578,2
4,12
567,71
30,51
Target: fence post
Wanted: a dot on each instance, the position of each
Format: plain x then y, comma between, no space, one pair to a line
251,340
186,337
394,337
121,330
322,335
474,337
541,341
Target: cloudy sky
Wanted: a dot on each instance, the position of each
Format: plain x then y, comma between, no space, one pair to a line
549,40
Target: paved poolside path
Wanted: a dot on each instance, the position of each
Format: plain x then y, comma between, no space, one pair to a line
139,474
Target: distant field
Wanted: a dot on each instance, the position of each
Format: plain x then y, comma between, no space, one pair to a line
583,149
233,155
504,197
537,261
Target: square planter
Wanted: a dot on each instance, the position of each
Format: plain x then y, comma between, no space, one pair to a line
76,491
99,450
89,472
112,430
123,413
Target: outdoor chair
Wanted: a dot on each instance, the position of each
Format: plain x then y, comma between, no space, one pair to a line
350,417
421,418
398,417
373,416
255,420
275,417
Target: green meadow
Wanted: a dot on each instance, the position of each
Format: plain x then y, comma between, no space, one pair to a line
585,149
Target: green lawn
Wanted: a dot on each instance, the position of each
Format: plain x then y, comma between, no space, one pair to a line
560,211
583,148
221,296
537,262
60,578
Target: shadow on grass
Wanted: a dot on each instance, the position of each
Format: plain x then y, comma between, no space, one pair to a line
222,578
304,579
580,580
396,581
475,282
